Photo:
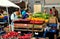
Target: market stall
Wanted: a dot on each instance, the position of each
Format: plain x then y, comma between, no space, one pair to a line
34,23
6,3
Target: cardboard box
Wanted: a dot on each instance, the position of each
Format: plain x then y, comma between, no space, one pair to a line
52,20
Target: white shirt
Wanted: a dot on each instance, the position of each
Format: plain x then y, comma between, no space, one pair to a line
14,16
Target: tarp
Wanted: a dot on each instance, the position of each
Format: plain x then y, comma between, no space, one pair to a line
7,3
52,5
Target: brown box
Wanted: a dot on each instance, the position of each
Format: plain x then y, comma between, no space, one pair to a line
52,20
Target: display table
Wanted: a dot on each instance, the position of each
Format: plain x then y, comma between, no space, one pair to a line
28,25
26,21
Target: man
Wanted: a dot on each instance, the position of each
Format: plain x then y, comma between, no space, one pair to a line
14,16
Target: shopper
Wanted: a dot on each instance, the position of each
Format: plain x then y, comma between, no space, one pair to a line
25,13
55,11
14,16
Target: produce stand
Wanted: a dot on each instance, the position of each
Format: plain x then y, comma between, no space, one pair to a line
35,23
33,27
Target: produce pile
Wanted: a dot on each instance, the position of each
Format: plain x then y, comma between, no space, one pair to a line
16,35
39,17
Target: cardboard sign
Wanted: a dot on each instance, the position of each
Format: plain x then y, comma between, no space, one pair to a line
37,8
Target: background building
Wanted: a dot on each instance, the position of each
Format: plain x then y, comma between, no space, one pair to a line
51,3
35,4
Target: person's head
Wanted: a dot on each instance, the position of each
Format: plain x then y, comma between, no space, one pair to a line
53,8
17,11
50,9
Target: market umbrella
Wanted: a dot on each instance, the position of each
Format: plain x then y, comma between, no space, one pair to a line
7,3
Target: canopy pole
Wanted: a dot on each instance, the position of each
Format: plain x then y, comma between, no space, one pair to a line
8,17
7,14
19,10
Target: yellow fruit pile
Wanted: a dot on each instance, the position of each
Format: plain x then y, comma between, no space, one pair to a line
38,19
